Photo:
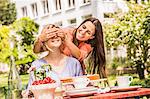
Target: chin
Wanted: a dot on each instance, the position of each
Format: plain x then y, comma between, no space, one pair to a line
81,40
56,46
78,38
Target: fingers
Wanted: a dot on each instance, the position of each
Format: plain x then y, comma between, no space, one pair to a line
49,27
61,33
54,33
50,32
50,35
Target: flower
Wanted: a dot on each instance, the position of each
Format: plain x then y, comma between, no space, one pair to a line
41,72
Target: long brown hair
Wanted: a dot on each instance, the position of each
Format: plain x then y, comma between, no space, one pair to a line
97,58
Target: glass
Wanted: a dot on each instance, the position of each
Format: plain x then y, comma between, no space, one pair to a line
14,82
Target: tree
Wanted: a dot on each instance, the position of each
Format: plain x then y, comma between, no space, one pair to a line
133,29
24,34
4,44
26,29
7,12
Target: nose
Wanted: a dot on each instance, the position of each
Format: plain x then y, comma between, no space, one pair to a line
83,32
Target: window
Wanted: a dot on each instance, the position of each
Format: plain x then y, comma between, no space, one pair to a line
24,11
108,15
71,3
87,16
72,22
86,1
58,23
45,6
58,4
34,9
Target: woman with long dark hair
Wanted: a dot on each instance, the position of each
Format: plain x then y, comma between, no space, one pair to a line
97,58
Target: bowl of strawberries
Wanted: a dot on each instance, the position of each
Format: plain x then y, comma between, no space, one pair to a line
43,89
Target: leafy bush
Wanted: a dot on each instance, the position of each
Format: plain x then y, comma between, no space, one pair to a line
4,44
118,61
7,12
144,83
25,31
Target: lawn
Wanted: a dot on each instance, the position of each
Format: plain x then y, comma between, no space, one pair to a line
4,79
4,83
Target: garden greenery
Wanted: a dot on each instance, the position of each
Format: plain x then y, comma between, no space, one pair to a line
133,30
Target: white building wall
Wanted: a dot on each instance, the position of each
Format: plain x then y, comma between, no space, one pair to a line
52,17
96,8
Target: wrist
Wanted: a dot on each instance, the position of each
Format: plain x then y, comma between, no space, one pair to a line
68,43
38,41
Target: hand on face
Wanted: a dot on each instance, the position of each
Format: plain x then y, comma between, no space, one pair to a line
66,33
60,33
50,31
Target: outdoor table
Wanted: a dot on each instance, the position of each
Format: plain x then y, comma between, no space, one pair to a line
111,95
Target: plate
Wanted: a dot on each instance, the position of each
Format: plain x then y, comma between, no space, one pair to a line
82,92
131,88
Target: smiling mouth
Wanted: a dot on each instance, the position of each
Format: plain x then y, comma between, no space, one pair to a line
80,36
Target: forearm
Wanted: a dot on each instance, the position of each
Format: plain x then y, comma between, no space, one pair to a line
75,51
38,46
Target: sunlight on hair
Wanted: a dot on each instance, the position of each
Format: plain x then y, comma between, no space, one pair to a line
49,48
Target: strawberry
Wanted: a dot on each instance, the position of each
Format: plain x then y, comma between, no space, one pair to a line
52,81
48,78
45,81
40,81
35,83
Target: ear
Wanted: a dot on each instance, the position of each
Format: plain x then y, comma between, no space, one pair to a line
92,37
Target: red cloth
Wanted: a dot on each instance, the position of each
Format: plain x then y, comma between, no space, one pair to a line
120,95
112,95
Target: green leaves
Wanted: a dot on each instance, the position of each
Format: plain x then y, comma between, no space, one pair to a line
7,12
4,44
41,72
27,29
133,30
22,32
